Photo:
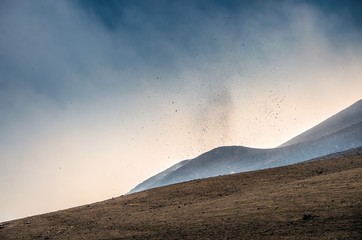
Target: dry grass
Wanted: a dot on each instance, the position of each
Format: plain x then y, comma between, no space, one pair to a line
313,200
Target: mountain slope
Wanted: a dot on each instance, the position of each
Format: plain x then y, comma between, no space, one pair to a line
340,132
345,118
319,199
158,177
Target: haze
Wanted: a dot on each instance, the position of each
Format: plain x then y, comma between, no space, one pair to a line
97,96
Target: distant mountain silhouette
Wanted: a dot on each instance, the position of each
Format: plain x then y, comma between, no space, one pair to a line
341,132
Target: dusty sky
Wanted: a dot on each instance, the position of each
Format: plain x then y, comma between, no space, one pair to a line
97,96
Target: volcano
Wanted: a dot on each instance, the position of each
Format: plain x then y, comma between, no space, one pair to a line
340,132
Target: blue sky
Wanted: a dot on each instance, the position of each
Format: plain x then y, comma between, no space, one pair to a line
96,96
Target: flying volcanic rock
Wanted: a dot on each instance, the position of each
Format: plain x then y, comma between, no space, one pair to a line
341,132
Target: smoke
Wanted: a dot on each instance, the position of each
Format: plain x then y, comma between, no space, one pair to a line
212,114
96,96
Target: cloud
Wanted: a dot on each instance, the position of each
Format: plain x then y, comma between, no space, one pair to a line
96,96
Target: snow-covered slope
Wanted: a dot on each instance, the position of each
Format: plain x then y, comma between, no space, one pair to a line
346,118
149,183
340,132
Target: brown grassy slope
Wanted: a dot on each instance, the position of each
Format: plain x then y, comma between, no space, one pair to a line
313,200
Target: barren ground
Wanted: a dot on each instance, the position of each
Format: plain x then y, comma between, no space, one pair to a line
312,200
